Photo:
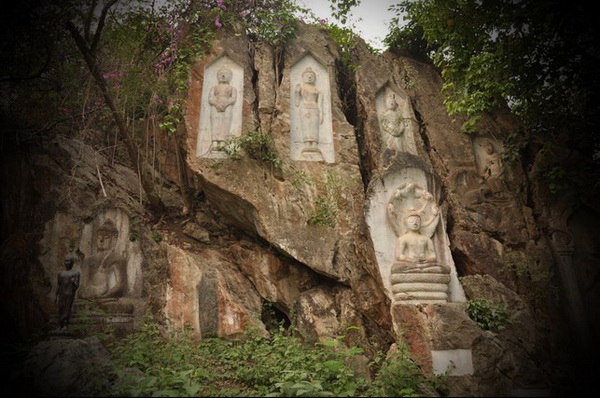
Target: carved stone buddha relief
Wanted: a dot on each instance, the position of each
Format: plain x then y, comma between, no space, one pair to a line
310,113
221,107
112,263
396,121
412,247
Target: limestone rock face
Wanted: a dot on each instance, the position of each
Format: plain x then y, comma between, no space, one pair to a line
309,205
217,309
324,211
303,231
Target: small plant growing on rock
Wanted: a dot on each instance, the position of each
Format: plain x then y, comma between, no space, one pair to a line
487,315
325,212
257,145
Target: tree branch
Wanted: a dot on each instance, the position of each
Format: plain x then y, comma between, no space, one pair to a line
100,27
155,203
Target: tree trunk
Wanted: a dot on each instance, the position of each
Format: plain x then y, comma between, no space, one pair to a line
156,204
182,173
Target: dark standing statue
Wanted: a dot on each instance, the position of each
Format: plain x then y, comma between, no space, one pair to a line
68,283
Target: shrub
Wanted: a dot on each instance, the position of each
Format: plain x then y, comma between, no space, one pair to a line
325,212
487,315
258,146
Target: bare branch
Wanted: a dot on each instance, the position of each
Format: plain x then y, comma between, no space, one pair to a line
100,26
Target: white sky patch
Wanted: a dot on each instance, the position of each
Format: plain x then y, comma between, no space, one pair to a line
370,20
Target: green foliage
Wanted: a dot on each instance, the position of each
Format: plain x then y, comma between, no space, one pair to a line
257,145
300,178
154,363
277,28
517,263
149,61
400,376
341,9
266,21
300,389
269,21
535,55
327,205
556,178
539,284
346,40
487,315
325,212
167,366
408,38
156,236
180,365
134,228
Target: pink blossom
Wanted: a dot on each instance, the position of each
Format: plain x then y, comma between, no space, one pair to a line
218,23
112,75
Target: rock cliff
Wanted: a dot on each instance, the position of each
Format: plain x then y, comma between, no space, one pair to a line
309,233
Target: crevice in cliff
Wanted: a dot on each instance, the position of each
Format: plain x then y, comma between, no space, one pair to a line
278,66
422,129
366,164
347,92
254,80
355,114
464,265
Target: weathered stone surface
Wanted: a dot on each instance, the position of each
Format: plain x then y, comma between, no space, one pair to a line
477,253
205,292
276,280
196,232
485,286
64,367
257,234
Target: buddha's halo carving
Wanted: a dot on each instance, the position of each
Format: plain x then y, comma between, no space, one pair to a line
407,228
417,274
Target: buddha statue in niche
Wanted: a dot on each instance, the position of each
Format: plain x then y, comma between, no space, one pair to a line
221,97
309,99
104,273
393,123
416,274
492,173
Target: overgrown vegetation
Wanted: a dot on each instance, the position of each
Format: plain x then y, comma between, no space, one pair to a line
346,40
538,285
538,57
400,376
325,212
152,364
257,145
488,315
328,204
125,65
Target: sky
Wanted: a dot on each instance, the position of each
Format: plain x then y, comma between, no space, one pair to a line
374,18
